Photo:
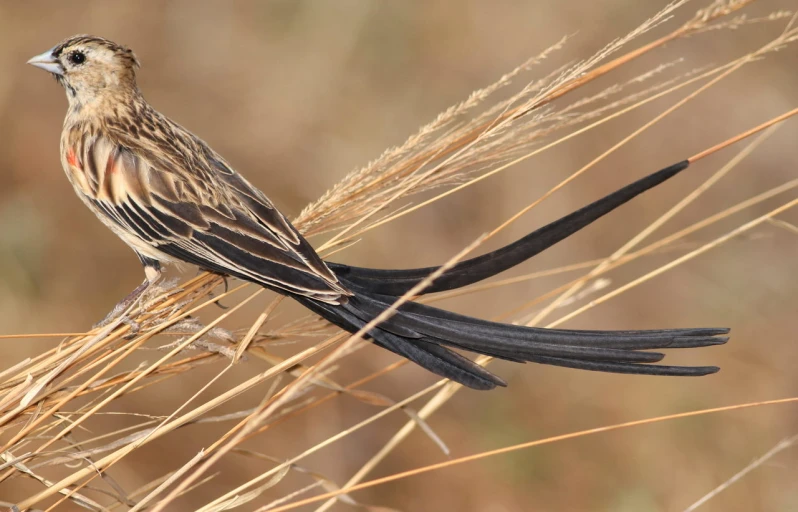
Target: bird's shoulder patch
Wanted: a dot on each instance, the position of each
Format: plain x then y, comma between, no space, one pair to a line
72,158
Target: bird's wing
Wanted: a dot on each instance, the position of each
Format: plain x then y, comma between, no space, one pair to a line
207,215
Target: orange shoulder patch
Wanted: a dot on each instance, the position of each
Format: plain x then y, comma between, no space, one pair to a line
72,158
110,165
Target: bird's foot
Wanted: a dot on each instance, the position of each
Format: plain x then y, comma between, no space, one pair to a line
135,327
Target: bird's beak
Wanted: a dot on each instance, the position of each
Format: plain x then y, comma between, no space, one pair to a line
47,62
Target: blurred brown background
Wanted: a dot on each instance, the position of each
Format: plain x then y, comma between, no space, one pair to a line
297,94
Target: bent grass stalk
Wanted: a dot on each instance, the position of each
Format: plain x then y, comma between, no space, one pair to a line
503,135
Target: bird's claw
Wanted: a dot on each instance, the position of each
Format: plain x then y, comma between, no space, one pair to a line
135,327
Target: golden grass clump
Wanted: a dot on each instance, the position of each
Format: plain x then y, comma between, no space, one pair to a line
48,401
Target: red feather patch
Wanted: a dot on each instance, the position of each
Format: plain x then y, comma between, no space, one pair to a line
72,159
110,166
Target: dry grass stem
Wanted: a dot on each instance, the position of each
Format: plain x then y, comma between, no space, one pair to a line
51,403
530,444
782,445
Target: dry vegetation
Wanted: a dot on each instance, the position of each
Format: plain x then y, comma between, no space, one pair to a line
55,405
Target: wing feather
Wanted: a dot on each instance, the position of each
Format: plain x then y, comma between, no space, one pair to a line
211,217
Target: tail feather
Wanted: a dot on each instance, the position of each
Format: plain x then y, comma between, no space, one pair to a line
398,282
518,351
636,369
425,334
447,322
422,334
429,355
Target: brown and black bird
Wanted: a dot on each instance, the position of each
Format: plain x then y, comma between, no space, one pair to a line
171,197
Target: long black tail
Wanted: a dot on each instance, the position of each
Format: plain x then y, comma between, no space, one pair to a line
398,282
422,333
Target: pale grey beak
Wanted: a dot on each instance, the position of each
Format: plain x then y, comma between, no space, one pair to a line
47,62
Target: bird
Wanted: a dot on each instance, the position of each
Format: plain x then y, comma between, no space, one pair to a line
172,198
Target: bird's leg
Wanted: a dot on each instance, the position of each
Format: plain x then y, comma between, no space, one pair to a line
224,278
226,287
152,271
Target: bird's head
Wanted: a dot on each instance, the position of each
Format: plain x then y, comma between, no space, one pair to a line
89,67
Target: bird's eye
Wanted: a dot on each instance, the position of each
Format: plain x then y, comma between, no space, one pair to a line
77,57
